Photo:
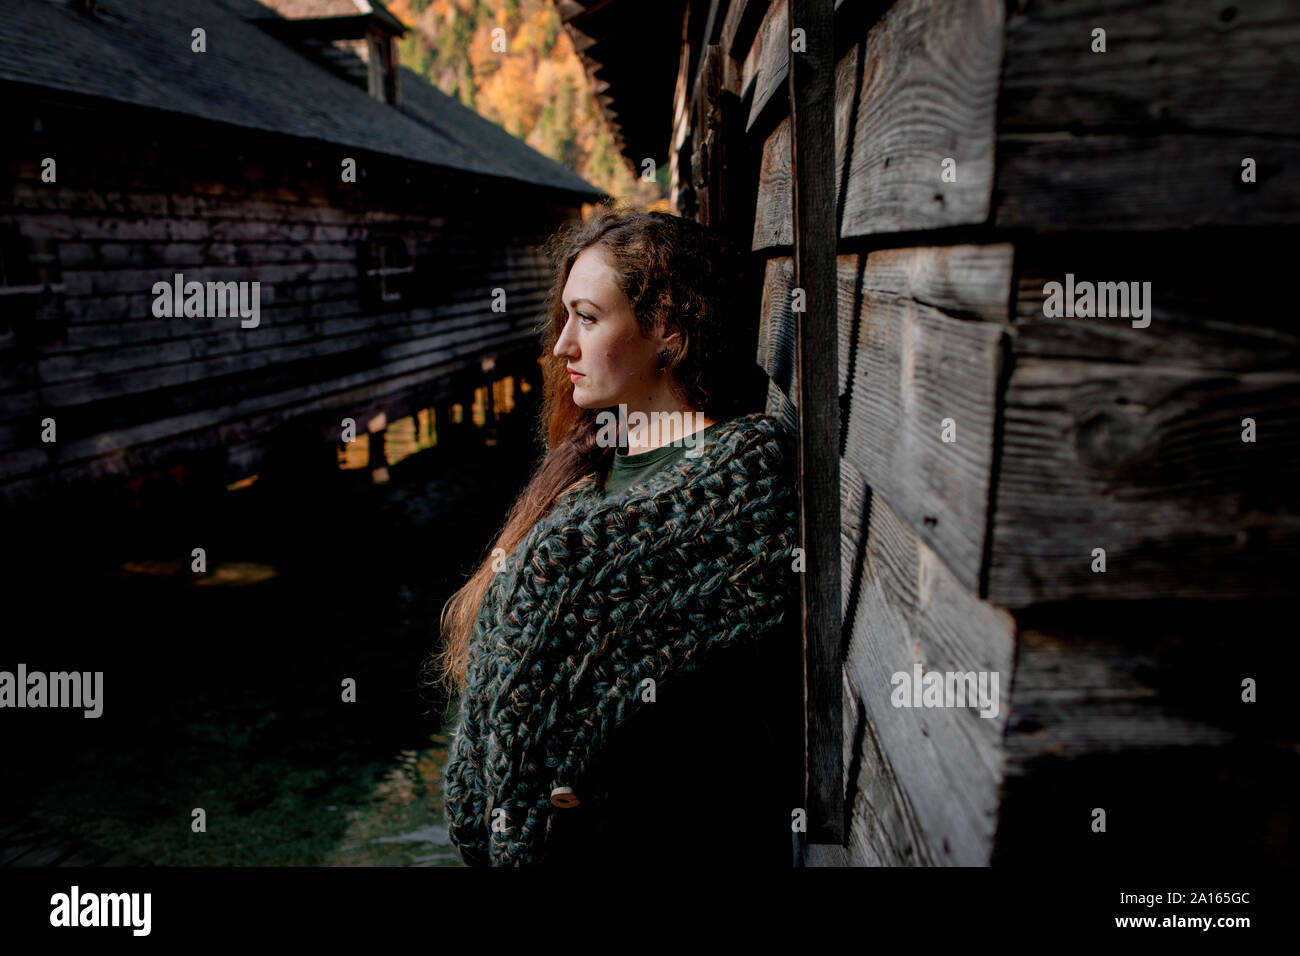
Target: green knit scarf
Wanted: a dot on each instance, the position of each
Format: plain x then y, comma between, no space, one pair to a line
609,592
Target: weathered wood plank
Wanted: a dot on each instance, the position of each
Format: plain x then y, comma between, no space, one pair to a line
140,281
1129,438
921,88
32,195
906,364
1195,65
1146,462
203,337
184,256
966,280
776,325
1212,305
424,366
918,375
833,854
931,774
490,327
165,440
86,228
1136,708
811,84
282,326
135,319
1065,181
780,405
928,94
766,65
772,217
868,782
741,25
855,503
1152,132
681,111
116,308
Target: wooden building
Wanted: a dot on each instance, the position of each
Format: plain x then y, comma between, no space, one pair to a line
1101,510
213,139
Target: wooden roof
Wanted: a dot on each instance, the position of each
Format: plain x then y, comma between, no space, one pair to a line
631,50
138,52
373,12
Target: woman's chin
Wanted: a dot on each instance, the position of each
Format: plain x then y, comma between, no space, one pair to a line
583,399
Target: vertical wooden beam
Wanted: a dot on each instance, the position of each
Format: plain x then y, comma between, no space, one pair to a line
702,139
719,155
811,86
709,104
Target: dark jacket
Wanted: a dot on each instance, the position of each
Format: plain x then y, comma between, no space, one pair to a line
664,582
706,776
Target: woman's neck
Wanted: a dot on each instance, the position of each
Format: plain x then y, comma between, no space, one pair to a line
647,431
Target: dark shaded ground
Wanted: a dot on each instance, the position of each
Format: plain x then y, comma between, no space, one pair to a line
223,691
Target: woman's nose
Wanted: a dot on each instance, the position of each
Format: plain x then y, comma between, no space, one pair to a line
563,345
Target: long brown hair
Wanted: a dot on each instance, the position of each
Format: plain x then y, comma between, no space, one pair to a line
676,274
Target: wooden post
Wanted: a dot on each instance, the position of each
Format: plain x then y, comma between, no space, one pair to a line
708,162
812,144
718,161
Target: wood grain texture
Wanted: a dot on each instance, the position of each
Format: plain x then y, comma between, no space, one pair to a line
1061,181
1130,439
920,88
1198,65
928,93
871,789
811,79
131,391
1147,463
127,388
776,336
905,364
913,367
1151,133
772,216
929,777
964,280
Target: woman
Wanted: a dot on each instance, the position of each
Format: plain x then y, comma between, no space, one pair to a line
628,656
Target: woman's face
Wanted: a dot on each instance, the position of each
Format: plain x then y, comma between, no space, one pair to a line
601,339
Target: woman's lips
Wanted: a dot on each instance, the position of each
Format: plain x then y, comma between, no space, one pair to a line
574,376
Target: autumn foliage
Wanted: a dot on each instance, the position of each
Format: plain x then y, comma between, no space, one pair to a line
536,90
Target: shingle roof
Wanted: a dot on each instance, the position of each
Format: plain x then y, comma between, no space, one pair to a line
632,60
138,51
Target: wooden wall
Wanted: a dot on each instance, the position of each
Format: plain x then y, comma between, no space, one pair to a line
139,198
1120,690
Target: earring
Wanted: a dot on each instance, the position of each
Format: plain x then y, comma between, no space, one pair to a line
663,357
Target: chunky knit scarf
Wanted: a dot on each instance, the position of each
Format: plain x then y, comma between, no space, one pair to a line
601,594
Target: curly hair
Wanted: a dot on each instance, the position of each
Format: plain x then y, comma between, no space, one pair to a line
676,274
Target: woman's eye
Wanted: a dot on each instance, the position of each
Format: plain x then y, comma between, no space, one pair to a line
584,315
